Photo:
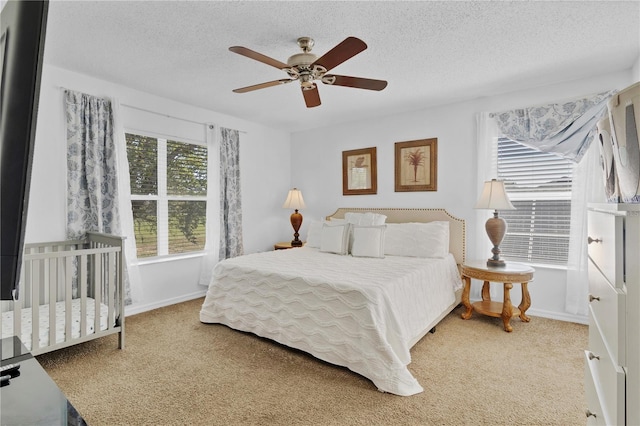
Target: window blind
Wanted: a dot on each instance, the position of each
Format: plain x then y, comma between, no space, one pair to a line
142,153
168,194
539,186
186,169
186,185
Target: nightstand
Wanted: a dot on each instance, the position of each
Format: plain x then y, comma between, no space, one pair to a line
283,245
511,273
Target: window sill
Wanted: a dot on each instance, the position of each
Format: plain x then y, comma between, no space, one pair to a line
541,265
169,258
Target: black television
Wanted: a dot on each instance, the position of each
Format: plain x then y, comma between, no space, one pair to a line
22,35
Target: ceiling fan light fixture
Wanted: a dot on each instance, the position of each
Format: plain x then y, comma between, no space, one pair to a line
306,81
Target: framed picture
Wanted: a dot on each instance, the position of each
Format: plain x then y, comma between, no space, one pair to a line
359,173
416,165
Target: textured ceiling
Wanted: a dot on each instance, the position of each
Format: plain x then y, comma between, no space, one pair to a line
430,52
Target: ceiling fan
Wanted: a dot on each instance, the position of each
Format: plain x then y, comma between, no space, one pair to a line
307,67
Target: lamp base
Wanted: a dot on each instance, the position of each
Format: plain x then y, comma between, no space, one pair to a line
496,229
296,221
496,263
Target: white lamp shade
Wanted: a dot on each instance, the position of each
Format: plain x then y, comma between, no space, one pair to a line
494,197
294,200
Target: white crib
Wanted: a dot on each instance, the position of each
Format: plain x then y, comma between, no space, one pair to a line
77,287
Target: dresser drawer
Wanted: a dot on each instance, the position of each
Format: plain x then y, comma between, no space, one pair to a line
594,408
607,313
605,246
610,377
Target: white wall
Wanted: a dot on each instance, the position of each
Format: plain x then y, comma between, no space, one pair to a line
317,168
265,178
273,161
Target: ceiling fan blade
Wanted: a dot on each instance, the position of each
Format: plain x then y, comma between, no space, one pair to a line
258,57
348,48
311,96
357,82
262,85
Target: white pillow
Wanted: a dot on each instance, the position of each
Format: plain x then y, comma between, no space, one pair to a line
417,239
368,241
314,234
367,219
364,219
335,238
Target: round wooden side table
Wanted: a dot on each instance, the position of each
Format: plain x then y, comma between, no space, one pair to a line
508,275
283,245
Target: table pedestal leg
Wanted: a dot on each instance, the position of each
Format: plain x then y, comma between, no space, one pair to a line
507,308
525,303
486,291
465,298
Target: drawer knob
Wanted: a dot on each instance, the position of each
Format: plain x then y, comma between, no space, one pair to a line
593,356
592,298
591,240
590,414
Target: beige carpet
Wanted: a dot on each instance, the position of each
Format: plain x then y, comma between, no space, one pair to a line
178,371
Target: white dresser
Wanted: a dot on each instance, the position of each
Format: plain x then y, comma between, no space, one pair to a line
612,361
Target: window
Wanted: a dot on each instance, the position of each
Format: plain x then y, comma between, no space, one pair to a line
539,187
168,194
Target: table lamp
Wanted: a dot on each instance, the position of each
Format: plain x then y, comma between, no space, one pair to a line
494,197
295,201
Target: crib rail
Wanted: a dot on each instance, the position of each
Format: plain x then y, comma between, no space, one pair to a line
57,277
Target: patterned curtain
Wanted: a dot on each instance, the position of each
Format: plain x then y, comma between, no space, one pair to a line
92,190
92,186
565,129
230,197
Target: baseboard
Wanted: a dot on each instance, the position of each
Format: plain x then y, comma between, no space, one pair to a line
138,309
561,316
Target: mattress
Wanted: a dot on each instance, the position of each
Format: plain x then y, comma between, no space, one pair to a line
360,313
7,322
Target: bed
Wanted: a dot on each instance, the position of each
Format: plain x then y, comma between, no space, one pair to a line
362,306
76,288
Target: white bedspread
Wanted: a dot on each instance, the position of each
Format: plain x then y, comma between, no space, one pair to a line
361,313
43,329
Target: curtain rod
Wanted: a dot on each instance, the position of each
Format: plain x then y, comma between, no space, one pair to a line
163,115
159,113
170,116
